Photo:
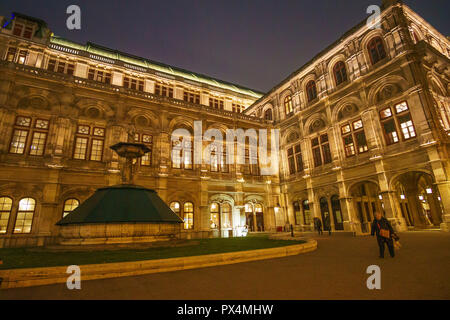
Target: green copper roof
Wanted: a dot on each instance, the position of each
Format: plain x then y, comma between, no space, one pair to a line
157,66
122,204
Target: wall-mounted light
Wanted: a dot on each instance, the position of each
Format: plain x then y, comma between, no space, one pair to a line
402,196
380,197
421,197
429,191
439,198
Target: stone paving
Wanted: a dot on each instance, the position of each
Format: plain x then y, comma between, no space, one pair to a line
337,270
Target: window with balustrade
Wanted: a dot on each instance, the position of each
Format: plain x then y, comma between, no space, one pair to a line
191,96
61,66
163,90
133,83
216,103
99,75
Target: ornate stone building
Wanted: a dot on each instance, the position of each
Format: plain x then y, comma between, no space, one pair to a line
364,126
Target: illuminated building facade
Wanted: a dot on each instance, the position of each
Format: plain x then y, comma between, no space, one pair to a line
364,126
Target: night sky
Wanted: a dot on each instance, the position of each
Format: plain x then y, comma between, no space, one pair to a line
254,43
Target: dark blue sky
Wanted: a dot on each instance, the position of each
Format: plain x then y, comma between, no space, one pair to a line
255,43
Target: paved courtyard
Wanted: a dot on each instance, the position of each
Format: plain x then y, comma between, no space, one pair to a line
337,270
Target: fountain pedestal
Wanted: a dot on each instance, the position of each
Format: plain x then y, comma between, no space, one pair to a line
125,213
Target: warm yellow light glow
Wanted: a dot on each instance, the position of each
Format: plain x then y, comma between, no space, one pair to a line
429,191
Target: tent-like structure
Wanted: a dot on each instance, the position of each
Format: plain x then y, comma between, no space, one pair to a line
122,204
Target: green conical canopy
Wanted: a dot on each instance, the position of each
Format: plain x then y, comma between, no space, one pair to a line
122,204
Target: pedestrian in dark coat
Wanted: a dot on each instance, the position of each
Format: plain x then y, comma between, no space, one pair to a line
318,225
384,232
327,225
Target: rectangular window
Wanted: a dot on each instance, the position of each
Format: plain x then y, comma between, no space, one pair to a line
182,154
23,130
400,122
99,75
22,56
11,54
18,141
146,139
96,150
80,148
237,108
321,150
28,32
163,90
59,66
89,143
295,159
354,138
18,28
191,96
133,83
216,103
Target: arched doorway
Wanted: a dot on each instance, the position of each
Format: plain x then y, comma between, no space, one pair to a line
254,217
337,213
222,218
418,199
366,200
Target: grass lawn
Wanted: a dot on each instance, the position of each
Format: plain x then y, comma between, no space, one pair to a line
29,258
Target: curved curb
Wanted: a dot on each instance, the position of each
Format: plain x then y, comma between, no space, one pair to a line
15,278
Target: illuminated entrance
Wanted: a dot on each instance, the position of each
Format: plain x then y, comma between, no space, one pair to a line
254,217
221,218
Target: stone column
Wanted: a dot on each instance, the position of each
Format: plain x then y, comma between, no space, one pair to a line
444,190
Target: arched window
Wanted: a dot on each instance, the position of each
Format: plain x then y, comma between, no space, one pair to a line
311,90
188,215
288,105
376,50
340,72
175,207
69,206
268,115
5,212
24,219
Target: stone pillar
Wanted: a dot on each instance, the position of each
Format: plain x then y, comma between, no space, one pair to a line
392,213
444,190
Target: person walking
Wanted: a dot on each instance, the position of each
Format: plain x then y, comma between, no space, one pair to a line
384,232
318,225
